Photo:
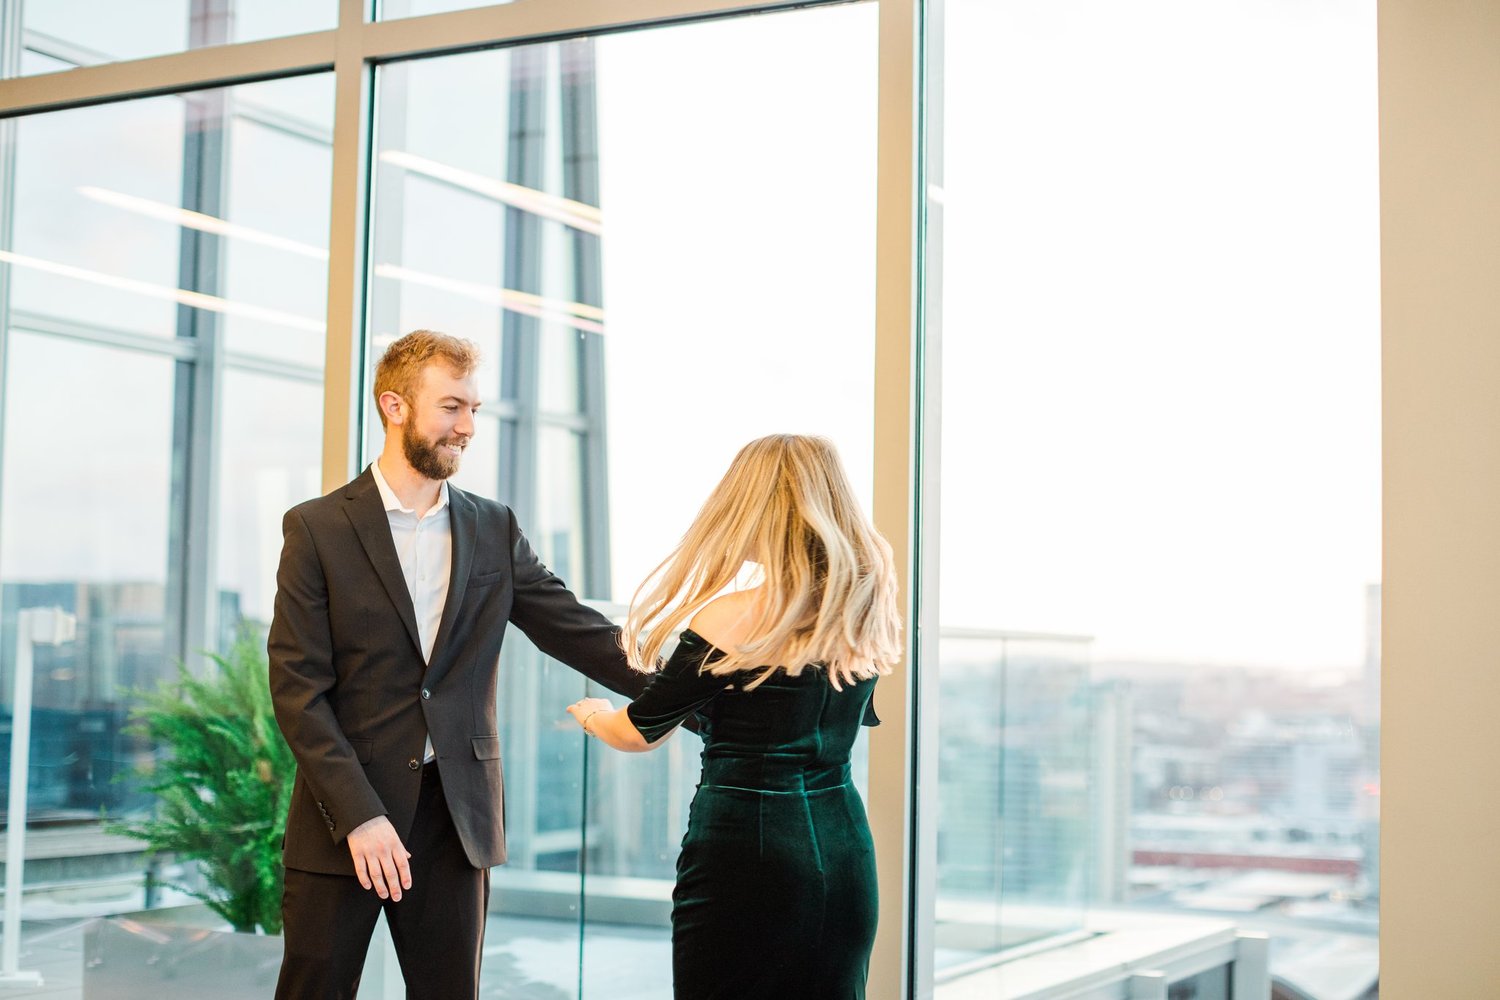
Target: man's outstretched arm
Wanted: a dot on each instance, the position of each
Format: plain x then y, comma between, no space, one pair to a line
563,627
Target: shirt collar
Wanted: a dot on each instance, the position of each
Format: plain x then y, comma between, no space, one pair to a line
393,502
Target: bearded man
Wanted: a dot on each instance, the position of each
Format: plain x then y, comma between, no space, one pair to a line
393,596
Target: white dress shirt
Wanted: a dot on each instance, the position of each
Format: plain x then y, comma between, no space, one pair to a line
425,547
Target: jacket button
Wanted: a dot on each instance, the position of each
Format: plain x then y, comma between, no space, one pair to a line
426,693
414,764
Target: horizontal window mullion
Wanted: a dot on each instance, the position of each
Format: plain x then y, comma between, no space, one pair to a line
174,347
506,24
314,52
197,69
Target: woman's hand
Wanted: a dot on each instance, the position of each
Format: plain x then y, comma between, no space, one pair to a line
585,709
611,725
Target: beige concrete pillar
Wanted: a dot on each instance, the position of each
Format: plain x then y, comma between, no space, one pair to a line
1440,286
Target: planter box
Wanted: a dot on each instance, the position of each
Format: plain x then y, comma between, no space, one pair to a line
158,956
188,953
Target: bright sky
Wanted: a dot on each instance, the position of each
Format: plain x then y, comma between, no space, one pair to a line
1160,298
1161,326
739,255
1160,306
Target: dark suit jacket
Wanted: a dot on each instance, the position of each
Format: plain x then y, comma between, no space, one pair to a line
352,693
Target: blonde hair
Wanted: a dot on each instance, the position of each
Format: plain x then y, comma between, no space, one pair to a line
829,591
400,367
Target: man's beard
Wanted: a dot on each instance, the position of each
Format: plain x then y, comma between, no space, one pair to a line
430,459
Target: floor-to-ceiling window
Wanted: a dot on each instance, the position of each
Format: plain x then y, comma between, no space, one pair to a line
656,274
165,271
1158,674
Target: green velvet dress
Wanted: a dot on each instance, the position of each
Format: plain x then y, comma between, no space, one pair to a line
775,896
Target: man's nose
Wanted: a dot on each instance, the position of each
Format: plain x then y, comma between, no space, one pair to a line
465,425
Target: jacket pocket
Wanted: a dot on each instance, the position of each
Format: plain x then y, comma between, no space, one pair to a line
478,580
363,750
486,747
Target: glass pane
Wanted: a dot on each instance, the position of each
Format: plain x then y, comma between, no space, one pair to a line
749,307
191,208
558,527
277,261
561,370
1215,984
1160,461
1013,791
89,32
605,233
739,300
172,293
269,459
457,245
88,535
95,240
481,465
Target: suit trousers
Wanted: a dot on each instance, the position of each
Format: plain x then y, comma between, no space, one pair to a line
437,927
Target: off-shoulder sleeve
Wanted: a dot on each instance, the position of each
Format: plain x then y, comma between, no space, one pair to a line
678,690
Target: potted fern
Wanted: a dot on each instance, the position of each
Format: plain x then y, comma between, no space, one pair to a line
222,786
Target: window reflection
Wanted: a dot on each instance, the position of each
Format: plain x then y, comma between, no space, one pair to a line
276,256
77,255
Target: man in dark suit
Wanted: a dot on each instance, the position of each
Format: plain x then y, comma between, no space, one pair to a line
392,599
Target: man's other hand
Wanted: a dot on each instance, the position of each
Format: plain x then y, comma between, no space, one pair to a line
380,858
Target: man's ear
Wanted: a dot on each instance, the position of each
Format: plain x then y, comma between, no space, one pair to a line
394,408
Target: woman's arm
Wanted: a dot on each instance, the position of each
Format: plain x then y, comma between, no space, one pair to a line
611,725
680,688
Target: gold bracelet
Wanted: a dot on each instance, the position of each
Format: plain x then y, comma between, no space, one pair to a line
585,722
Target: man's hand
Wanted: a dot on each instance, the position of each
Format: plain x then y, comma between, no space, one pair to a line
380,858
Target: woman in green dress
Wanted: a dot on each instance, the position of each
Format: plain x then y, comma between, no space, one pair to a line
775,896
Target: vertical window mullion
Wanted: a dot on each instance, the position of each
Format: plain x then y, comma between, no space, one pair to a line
896,802
352,137
10,65
580,176
521,270
191,580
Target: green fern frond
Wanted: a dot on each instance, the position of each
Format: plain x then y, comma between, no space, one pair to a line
222,783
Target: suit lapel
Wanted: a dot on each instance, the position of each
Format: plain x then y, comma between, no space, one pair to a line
462,523
368,515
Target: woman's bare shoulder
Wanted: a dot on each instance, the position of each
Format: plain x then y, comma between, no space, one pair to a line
727,620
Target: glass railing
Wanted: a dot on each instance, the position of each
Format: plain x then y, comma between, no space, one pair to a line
593,840
1015,773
